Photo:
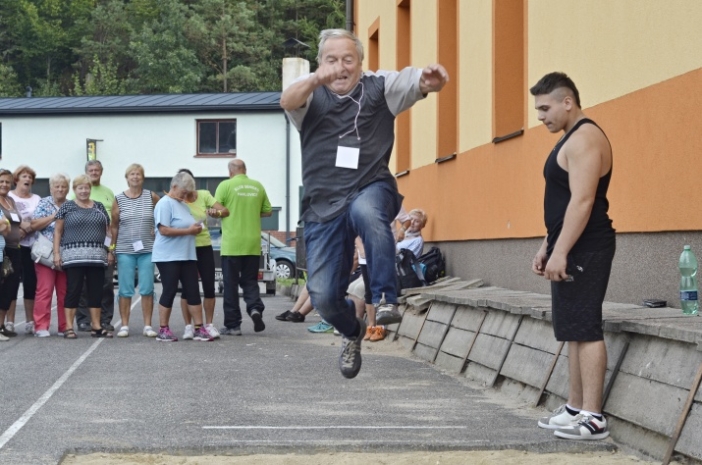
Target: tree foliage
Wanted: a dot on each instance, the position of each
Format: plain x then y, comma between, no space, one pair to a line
107,47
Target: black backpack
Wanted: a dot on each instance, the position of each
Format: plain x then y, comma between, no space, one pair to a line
433,265
408,270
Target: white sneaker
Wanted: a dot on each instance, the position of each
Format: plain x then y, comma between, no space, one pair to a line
123,331
42,333
149,332
212,331
584,428
3,337
10,326
188,334
29,328
558,419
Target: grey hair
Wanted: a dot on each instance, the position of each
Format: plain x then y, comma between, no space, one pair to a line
184,181
236,164
338,34
59,177
93,162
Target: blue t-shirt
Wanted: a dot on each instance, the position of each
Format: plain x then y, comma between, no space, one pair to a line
174,214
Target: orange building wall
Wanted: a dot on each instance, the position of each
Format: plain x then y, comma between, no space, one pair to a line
496,190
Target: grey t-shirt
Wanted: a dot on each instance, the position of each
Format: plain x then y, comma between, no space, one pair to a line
365,117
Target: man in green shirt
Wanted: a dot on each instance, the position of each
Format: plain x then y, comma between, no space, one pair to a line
247,202
104,195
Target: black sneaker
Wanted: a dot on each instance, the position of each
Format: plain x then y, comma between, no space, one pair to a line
283,316
257,321
296,317
7,332
350,356
85,327
108,327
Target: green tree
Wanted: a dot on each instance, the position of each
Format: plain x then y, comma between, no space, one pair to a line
9,87
102,79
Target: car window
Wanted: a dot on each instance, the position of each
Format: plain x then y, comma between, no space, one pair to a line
274,242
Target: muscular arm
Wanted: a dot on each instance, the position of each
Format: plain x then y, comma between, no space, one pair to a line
583,157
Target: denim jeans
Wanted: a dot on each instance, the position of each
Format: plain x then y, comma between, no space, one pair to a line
330,248
240,271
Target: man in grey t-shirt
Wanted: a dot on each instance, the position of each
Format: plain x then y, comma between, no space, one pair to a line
346,120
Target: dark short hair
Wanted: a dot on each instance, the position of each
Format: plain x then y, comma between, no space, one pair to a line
553,81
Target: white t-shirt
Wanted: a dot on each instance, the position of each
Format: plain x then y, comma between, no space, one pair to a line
26,208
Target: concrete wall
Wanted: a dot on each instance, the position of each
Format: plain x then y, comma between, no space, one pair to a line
645,265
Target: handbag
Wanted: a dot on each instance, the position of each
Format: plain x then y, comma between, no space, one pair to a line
43,251
7,269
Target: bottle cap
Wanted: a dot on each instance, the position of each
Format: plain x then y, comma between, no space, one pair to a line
687,247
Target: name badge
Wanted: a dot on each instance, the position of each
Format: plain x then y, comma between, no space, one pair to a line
138,245
108,241
15,217
348,152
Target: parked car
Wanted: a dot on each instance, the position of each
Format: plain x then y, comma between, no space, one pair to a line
284,256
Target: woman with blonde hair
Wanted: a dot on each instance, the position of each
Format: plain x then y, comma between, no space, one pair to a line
49,279
79,248
133,241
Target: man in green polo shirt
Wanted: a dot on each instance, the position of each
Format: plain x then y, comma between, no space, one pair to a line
104,195
247,202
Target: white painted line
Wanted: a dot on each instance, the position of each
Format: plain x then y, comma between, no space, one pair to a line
332,427
16,426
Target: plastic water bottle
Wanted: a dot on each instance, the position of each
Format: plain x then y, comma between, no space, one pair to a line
689,301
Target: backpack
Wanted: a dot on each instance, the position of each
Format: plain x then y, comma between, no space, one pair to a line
408,270
433,265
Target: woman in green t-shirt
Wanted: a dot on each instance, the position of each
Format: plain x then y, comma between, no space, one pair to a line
201,204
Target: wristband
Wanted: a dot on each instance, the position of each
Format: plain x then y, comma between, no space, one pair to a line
112,247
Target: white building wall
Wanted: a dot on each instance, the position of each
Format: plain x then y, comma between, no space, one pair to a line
162,143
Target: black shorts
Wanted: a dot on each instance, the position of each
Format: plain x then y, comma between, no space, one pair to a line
577,305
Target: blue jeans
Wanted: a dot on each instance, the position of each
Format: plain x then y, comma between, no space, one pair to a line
127,265
330,248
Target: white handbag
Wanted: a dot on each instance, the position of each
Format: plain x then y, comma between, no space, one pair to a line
43,251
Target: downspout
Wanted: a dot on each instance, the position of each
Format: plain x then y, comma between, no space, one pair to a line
349,15
287,178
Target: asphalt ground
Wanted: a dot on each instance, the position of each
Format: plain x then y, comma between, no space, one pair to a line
277,391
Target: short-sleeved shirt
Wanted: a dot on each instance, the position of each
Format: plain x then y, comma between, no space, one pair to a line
46,207
84,232
245,199
198,209
101,194
26,207
173,214
412,242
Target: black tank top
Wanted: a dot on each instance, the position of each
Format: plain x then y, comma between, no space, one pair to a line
598,233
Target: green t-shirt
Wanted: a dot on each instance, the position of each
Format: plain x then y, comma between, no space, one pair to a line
245,199
101,194
199,211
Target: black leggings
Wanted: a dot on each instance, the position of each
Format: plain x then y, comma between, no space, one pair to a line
206,268
29,276
10,285
93,276
184,271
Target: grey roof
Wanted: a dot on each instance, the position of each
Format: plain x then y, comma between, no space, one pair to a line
242,101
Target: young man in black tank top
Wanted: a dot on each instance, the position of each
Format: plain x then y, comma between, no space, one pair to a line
576,255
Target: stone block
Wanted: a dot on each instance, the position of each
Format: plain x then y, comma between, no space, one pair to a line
467,318
432,334
500,324
449,362
638,438
558,384
457,342
665,361
441,312
689,442
489,350
411,324
527,365
517,391
479,374
537,334
424,352
646,403
615,343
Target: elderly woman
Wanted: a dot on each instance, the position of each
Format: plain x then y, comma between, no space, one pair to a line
49,279
26,203
133,240
174,254
79,248
13,221
201,203
413,240
4,229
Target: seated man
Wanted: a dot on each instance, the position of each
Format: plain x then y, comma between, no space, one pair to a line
413,240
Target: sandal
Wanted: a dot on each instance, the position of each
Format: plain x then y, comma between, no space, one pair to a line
102,332
70,334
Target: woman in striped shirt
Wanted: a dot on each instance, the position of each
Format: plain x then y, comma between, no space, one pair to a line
133,240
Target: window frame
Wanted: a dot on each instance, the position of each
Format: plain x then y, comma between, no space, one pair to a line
198,154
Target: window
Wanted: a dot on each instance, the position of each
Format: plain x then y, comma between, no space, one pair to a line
216,138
